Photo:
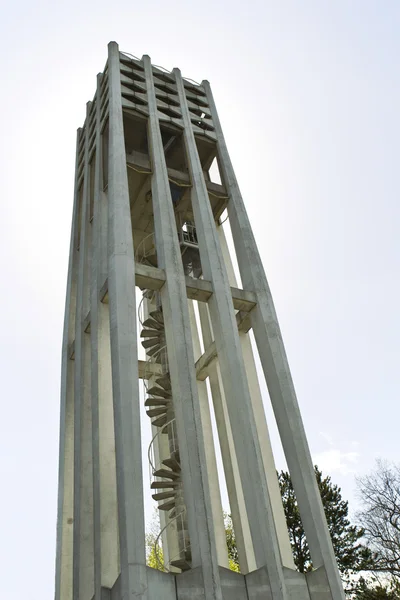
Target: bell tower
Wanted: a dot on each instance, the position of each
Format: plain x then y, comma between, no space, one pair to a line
147,214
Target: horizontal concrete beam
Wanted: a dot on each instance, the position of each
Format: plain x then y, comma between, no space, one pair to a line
141,162
205,361
152,278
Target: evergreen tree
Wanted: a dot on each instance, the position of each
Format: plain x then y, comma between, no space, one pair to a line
350,553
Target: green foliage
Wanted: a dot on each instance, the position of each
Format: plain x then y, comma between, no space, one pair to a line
351,555
154,554
367,590
231,543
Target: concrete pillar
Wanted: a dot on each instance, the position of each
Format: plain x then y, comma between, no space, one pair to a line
230,358
104,471
240,521
124,359
215,493
64,551
261,424
181,360
83,569
276,369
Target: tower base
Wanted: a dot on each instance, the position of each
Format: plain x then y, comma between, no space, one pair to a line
235,586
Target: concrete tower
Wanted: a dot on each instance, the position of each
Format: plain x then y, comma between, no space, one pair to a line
147,214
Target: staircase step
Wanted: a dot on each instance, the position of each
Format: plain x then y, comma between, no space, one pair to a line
167,505
172,464
157,316
156,402
164,485
154,412
181,564
152,324
149,333
164,495
151,342
160,421
166,473
158,391
164,382
153,351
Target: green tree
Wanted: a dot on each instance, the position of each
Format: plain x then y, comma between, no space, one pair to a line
231,543
154,551
367,590
351,555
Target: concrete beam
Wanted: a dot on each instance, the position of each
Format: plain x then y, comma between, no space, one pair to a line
141,161
251,468
205,361
151,278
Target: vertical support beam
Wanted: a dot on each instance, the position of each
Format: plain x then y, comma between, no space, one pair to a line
230,357
122,302
94,301
181,360
64,551
261,424
83,576
276,369
110,559
240,521
104,472
211,461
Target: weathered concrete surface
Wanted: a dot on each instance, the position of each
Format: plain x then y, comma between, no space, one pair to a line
215,492
233,585
248,453
318,585
181,360
276,369
258,586
231,471
123,334
83,558
161,585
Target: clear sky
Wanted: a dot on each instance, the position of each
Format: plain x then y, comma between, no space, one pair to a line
308,93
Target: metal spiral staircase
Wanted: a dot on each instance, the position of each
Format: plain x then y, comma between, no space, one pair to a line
165,474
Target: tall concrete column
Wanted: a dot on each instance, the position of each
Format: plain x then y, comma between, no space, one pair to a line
83,570
240,521
261,424
65,511
215,493
258,505
276,369
104,471
124,359
181,360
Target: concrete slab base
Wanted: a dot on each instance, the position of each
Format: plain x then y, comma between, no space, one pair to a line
258,587
318,585
235,586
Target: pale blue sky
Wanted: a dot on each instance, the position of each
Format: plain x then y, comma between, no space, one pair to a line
308,93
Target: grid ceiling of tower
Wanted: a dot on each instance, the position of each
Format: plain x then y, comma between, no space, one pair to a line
134,98
133,90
